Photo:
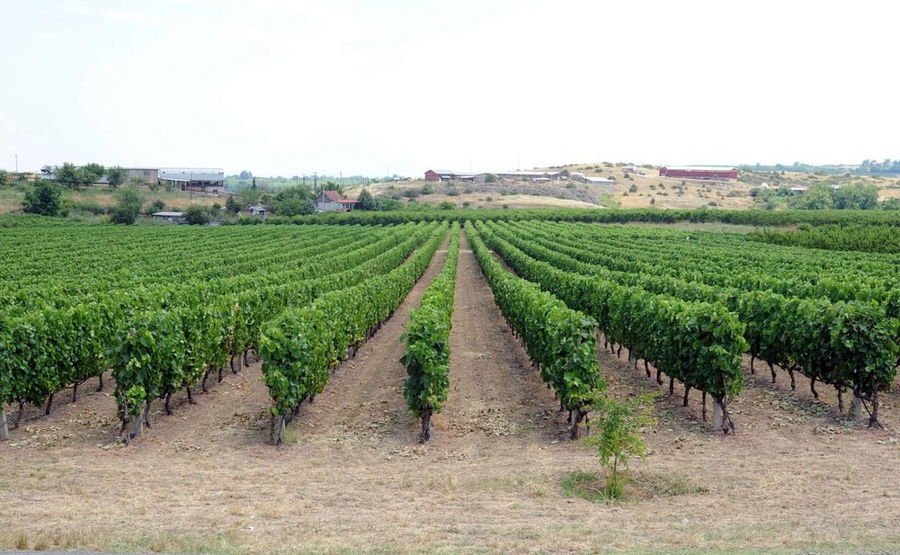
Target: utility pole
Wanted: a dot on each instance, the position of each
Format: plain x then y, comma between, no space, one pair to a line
316,187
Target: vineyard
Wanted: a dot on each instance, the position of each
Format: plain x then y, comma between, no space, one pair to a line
444,366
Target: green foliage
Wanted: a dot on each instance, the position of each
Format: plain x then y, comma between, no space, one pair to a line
446,205
855,197
293,201
232,207
490,178
156,206
818,197
147,361
793,322
116,175
846,237
4,176
68,176
389,204
128,206
427,354
366,202
196,215
617,437
43,199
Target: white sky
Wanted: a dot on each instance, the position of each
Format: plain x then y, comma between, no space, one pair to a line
291,87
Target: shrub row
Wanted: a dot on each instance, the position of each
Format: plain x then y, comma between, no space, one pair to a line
427,354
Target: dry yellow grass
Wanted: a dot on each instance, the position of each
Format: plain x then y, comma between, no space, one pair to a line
11,198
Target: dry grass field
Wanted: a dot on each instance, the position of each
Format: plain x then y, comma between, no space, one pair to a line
797,477
11,198
641,189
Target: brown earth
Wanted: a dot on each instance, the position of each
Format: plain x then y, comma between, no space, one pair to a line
796,477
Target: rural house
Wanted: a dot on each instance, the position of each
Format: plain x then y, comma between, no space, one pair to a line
331,201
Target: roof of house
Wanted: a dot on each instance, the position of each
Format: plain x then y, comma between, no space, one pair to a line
348,201
168,214
332,196
192,174
590,179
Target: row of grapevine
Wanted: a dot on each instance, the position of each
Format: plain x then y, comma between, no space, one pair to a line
160,339
197,348
651,215
699,344
294,262
849,345
302,344
848,237
427,354
560,340
726,265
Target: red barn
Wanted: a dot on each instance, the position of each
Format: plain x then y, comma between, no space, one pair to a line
699,172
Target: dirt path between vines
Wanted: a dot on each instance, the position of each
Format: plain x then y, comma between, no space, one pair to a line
353,478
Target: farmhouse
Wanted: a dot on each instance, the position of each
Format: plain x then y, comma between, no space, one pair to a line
331,201
204,180
699,172
256,209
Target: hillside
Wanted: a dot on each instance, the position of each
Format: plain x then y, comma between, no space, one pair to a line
641,188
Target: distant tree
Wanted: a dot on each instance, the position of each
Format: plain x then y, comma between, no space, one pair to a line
44,199
856,197
818,197
332,186
446,205
245,174
490,178
156,206
195,215
232,206
116,176
90,174
389,204
293,201
128,206
3,176
67,175
366,202
215,209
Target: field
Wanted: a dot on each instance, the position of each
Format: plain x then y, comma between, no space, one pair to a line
312,318
102,198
